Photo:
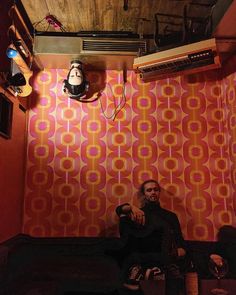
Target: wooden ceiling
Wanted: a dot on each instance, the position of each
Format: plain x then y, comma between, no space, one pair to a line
112,15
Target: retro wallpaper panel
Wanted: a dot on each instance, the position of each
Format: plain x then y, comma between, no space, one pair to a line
84,159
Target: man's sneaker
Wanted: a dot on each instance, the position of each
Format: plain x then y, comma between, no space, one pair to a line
155,274
174,271
135,275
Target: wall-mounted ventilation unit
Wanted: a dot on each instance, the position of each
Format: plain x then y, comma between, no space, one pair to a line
187,59
97,53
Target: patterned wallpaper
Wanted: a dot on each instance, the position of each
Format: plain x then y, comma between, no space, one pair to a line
81,165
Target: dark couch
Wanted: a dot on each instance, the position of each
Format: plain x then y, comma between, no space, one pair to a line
63,264
67,265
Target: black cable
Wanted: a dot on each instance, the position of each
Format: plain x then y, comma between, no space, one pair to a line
123,99
118,107
37,23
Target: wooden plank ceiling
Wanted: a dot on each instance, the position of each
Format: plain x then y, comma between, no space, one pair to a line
112,15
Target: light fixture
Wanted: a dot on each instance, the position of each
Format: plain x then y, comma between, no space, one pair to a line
11,52
76,84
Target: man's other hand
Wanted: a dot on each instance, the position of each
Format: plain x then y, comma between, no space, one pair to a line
181,252
137,215
218,260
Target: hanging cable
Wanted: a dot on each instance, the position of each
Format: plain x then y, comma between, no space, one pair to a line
118,107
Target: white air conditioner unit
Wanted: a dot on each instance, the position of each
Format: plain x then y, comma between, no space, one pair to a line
186,59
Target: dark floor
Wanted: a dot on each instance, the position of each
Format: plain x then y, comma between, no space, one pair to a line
89,293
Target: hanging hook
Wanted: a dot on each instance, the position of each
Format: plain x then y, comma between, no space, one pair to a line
125,7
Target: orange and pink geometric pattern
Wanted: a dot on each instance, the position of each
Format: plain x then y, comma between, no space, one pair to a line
81,165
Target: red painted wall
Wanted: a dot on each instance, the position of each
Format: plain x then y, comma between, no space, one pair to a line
12,151
81,165
12,171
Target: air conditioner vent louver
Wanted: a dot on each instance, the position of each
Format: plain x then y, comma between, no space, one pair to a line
114,46
180,64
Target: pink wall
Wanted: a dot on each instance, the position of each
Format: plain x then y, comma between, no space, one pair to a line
80,165
12,168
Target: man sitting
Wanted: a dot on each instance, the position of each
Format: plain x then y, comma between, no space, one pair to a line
154,242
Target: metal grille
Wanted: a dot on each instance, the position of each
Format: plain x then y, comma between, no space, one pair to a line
132,46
